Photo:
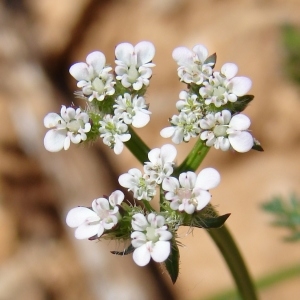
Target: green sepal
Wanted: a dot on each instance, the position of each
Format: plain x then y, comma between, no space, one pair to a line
207,223
256,146
172,263
240,104
127,251
211,59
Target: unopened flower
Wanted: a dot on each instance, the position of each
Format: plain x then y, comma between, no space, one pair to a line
222,131
142,187
134,64
132,111
192,65
150,238
223,86
92,222
161,163
190,192
114,133
184,127
94,77
70,126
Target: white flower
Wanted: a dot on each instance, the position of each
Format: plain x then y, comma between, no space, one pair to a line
114,133
222,131
140,185
70,126
94,77
150,238
132,111
189,103
161,162
190,192
223,86
103,215
134,64
192,66
185,126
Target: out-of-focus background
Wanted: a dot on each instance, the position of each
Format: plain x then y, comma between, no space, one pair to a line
39,40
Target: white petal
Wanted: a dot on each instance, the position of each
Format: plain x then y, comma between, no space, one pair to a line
168,153
116,198
97,60
187,180
240,85
170,184
139,222
119,146
240,122
201,52
229,70
145,52
141,256
80,71
183,56
161,251
140,119
86,231
241,141
203,199
124,53
167,132
78,215
54,140
207,179
51,120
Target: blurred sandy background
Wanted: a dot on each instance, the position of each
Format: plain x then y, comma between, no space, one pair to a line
39,40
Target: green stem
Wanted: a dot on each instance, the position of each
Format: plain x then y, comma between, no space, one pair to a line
235,262
194,159
137,147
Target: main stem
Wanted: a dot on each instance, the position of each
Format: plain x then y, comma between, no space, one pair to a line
220,236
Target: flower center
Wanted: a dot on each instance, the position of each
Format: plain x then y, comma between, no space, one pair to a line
151,234
220,130
184,193
98,85
133,74
74,125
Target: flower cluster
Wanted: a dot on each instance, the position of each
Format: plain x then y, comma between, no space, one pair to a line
211,107
151,234
114,101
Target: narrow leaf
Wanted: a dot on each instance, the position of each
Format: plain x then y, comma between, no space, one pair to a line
211,59
241,103
208,223
172,263
129,250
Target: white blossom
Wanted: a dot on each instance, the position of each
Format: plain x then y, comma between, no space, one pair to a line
92,222
184,127
132,111
192,65
114,133
151,239
190,192
161,162
70,126
94,77
223,131
223,86
189,103
134,64
142,187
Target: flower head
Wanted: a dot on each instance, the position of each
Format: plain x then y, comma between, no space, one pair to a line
142,186
103,215
94,77
193,67
190,192
223,86
134,64
114,133
70,126
150,239
223,131
161,162
132,111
